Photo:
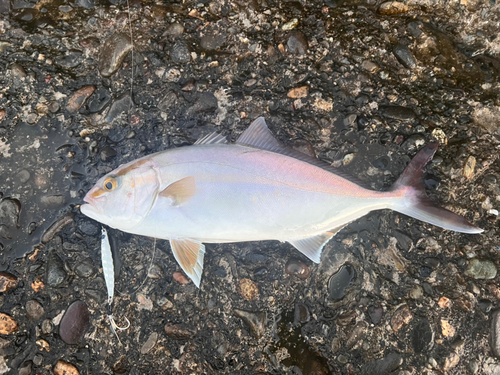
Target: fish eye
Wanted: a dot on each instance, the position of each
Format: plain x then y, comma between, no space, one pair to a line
110,184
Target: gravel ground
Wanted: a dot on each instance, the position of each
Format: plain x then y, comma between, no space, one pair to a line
86,86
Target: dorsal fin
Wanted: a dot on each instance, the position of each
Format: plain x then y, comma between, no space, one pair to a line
259,136
210,139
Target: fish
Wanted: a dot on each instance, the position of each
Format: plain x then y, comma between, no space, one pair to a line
256,189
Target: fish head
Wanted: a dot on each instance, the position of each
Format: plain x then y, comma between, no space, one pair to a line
123,197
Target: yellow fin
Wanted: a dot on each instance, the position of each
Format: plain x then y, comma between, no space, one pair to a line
189,254
180,191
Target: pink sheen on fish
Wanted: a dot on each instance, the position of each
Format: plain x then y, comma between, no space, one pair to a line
253,190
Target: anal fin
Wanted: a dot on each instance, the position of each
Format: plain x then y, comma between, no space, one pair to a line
312,247
189,254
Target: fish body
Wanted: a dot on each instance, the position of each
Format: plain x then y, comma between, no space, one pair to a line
253,190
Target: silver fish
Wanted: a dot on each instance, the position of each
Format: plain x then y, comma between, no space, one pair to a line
253,190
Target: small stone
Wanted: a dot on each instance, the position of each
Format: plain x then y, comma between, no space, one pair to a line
175,29
447,329
440,135
248,289
398,113
180,54
37,285
179,331
7,324
370,66
78,99
297,268
18,71
47,327
469,167
375,313
211,42
52,200
290,25
113,52
383,366
107,153
451,361
34,310
301,314
98,101
87,4
7,281
417,292
9,211
494,290
3,114
495,333
392,8
172,75
339,282
444,303
43,345
255,321
65,368
298,92
180,278
346,318
422,337
297,43
56,273
85,268
74,323
404,56
401,317
144,303
150,343
481,269
323,104
206,103
119,107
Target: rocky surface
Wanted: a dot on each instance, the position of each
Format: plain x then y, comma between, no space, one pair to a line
86,86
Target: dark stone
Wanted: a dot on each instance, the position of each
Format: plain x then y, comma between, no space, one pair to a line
113,52
375,313
404,56
255,321
89,228
422,337
85,268
55,270
396,112
339,282
211,42
179,54
297,43
9,211
96,295
98,101
4,6
34,310
297,268
107,153
71,60
301,314
74,323
120,106
206,103
383,366
87,4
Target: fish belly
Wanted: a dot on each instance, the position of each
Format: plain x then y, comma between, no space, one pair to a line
246,194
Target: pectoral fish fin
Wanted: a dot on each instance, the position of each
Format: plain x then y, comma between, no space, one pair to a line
180,191
211,139
312,247
189,254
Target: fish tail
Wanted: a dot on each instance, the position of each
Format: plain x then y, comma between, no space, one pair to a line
414,201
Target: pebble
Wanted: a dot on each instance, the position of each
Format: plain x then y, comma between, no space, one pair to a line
17,71
7,281
297,268
451,361
298,92
404,56
7,324
74,323
120,106
444,302
375,313
9,211
3,114
339,282
57,226
4,9
180,278
71,60
90,228
113,52
179,331
43,345
495,333
255,321
481,269
290,25
87,4
402,316
392,8
107,153
413,143
301,314
248,289
396,112
56,273
34,310
150,343
26,367
144,303
370,66
297,43
211,42
417,292
175,29
172,75
65,368
85,268
383,366
469,167
47,327
52,200
357,334
180,54
447,329
206,103
422,337
98,101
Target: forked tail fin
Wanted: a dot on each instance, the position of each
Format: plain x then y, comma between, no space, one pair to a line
417,204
